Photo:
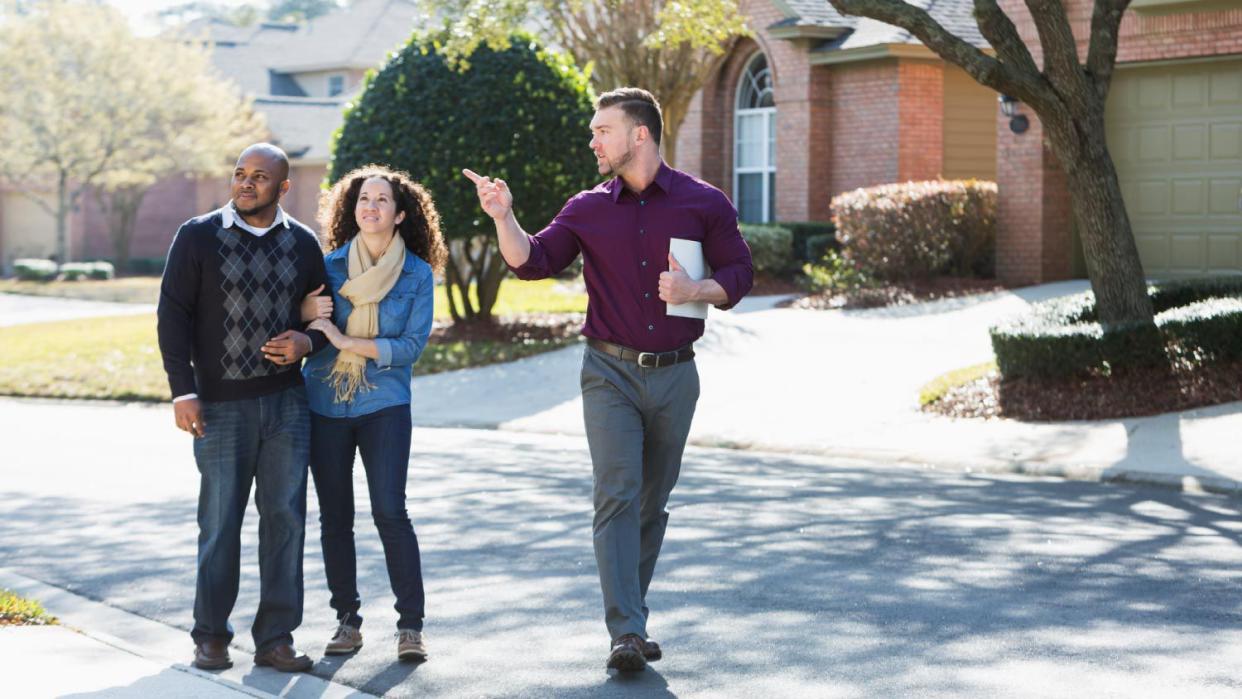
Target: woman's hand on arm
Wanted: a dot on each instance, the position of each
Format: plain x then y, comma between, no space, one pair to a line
358,345
316,306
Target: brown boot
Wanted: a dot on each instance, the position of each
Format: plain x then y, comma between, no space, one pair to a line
651,651
627,654
212,654
283,657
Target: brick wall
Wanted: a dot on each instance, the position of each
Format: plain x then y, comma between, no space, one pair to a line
866,124
920,151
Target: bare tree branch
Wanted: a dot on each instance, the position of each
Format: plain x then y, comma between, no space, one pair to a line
1060,52
982,67
998,29
1102,52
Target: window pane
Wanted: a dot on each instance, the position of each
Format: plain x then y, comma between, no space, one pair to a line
750,140
771,197
771,118
750,197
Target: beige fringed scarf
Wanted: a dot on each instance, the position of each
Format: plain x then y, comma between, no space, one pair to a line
368,283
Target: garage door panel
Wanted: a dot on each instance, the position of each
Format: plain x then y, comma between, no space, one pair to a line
1225,88
1225,196
1152,199
1187,253
1152,246
1189,141
1187,196
1153,144
1223,253
1226,141
1153,93
1189,90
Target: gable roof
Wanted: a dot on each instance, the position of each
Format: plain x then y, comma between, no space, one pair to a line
845,32
359,36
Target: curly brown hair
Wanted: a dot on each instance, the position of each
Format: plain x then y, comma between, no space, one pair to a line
420,229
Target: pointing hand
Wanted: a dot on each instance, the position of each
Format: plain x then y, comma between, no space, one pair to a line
494,195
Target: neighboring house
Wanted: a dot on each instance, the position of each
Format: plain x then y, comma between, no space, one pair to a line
300,77
818,103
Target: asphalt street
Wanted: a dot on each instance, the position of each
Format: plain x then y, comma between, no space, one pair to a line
781,575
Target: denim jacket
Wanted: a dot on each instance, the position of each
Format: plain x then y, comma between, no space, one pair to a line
404,325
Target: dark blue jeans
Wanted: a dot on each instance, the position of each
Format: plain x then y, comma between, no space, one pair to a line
262,441
383,440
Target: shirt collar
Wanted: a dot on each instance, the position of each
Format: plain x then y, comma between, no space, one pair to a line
229,217
663,179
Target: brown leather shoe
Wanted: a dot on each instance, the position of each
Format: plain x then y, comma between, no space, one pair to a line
212,654
283,657
627,654
651,651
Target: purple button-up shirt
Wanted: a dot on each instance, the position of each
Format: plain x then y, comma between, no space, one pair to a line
624,241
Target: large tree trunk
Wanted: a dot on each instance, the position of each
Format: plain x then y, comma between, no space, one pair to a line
62,218
121,209
1112,257
473,264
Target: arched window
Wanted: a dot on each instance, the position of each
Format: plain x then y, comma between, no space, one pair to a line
754,144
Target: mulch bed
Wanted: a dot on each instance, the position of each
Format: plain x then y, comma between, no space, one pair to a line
899,294
1133,394
534,327
771,286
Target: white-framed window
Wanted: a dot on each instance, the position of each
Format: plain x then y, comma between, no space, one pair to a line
336,85
754,144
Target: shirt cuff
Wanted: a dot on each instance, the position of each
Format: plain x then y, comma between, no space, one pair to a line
535,266
383,347
188,396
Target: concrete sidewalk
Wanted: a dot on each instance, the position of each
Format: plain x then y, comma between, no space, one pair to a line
102,651
846,384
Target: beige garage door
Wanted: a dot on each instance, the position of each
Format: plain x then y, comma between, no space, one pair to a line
1175,132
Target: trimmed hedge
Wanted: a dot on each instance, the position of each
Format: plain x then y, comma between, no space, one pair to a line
771,248
809,239
73,271
1196,319
919,229
34,270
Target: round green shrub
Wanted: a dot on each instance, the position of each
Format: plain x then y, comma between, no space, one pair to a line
771,248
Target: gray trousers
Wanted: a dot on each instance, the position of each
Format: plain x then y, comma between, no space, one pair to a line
637,420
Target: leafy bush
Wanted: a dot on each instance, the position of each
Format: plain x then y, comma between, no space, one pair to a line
918,229
804,232
1197,319
834,274
819,245
771,248
74,271
34,270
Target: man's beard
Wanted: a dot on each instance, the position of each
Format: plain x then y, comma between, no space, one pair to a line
614,169
258,207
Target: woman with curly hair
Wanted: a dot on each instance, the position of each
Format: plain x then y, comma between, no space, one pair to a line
383,242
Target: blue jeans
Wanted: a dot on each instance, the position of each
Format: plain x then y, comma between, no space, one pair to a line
265,441
383,440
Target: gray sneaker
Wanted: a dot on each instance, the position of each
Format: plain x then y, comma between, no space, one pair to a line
410,645
346,640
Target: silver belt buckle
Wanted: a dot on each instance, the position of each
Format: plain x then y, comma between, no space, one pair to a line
655,360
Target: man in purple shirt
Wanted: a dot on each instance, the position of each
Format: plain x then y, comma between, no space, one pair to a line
639,381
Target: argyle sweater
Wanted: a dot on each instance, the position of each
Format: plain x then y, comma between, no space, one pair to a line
225,293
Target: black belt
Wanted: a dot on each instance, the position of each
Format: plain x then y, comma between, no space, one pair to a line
649,360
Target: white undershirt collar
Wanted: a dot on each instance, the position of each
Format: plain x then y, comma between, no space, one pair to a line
229,217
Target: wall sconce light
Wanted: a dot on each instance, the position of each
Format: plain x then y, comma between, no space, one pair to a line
1018,123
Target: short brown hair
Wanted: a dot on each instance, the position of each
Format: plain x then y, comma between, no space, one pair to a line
639,106
420,229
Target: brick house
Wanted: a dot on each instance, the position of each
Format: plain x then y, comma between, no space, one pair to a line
843,102
299,75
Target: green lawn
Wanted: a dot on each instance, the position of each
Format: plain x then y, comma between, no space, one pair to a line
16,611
118,358
935,389
516,296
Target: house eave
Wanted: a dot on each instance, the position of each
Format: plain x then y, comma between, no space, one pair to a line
872,53
809,32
